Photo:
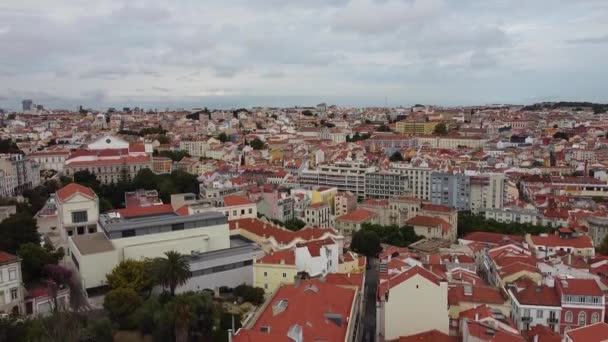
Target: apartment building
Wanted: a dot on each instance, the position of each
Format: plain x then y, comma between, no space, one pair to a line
415,127
385,185
11,291
195,147
344,202
419,178
318,215
50,159
509,215
343,176
238,207
17,173
451,142
352,222
452,190
487,191
536,305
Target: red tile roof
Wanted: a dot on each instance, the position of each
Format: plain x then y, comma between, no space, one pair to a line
281,235
579,287
538,295
582,241
402,277
234,200
375,202
341,279
480,332
428,336
479,294
7,257
357,215
307,305
287,257
493,238
437,208
542,334
480,312
597,332
71,189
429,221
145,211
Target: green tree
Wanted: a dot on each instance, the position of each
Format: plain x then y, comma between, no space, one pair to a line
257,144
105,205
468,223
222,137
121,304
172,271
87,179
34,258
145,179
440,129
396,157
9,146
163,139
307,113
253,295
18,229
366,242
294,224
132,274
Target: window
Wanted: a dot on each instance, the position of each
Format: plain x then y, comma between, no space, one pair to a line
266,286
265,274
582,318
14,294
92,229
595,317
234,213
539,313
2,301
242,211
250,211
12,273
79,216
568,317
526,312
177,226
80,230
284,275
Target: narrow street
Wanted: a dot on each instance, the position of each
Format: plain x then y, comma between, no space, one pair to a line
369,318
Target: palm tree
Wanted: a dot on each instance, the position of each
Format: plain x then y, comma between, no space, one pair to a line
173,271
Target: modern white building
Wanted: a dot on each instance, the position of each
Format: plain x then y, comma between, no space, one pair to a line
215,258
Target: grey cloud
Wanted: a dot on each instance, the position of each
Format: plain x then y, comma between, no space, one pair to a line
590,40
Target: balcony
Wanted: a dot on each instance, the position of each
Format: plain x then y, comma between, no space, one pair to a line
552,320
526,319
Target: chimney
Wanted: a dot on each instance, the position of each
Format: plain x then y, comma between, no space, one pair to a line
569,258
237,224
476,317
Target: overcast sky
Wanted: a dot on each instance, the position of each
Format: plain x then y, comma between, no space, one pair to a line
185,53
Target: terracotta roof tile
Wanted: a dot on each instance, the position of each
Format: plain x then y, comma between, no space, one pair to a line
71,189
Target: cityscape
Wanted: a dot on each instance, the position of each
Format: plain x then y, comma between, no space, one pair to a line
313,171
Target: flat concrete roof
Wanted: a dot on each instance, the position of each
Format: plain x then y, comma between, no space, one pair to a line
112,224
92,243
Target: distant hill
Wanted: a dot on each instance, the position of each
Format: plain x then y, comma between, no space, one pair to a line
597,107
